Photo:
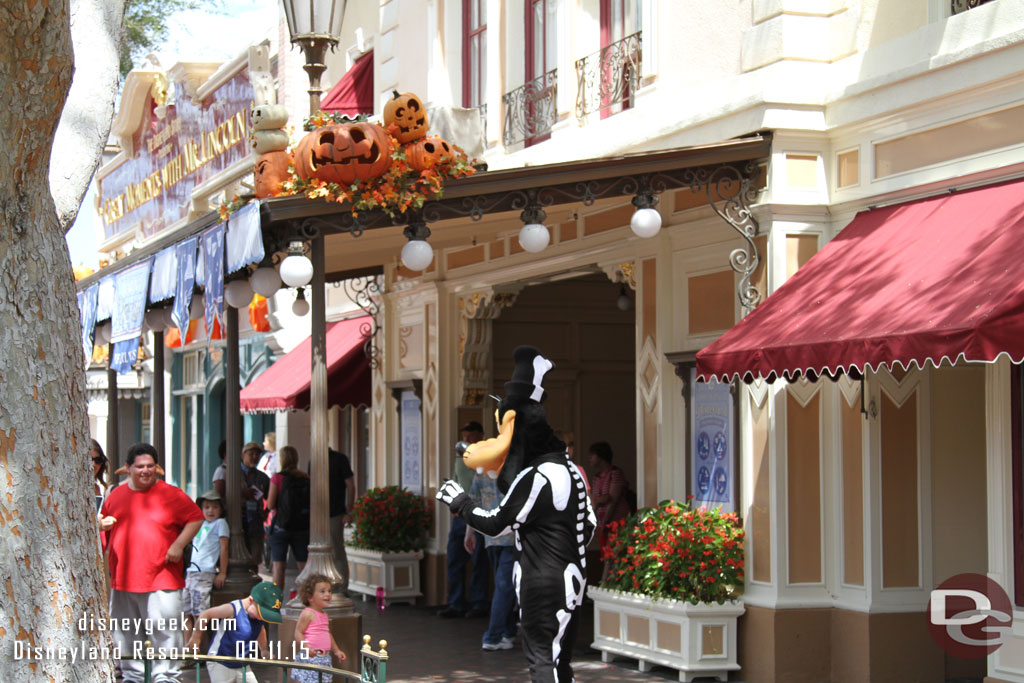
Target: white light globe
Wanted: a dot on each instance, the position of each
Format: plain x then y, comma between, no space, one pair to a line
102,334
296,270
155,319
534,237
197,308
265,282
624,303
417,254
300,307
238,293
645,222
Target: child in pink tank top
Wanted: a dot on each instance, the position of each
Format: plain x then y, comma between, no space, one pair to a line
314,643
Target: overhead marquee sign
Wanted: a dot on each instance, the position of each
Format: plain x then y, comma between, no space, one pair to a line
187,147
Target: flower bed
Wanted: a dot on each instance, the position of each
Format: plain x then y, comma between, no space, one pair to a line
671,593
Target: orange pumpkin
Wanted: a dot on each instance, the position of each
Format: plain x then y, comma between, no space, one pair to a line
271,170
343,153
405,117
426,153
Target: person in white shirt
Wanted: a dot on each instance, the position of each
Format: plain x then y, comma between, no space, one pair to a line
268,463
209,562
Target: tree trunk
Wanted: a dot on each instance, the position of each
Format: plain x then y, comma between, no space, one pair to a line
49,557
85,120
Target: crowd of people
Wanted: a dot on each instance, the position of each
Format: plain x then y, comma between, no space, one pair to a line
166,554
151,581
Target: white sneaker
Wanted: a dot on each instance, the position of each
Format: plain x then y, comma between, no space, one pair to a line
503,644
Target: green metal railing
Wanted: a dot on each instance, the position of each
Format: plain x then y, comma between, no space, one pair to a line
372,664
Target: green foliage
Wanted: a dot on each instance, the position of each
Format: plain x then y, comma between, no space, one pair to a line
145,26
390,519
673,551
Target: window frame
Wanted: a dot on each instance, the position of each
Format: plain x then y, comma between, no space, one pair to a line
469,33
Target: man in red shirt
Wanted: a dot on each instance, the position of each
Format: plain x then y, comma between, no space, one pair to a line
147,524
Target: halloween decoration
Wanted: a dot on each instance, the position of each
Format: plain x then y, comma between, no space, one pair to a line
405,117
269,116
264,141
427,152
546,506
271,171
343,153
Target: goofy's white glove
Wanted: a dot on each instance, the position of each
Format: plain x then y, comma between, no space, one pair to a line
449,491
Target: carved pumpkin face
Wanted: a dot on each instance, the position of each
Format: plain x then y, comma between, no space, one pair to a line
271,171
425,153
406,117
343,153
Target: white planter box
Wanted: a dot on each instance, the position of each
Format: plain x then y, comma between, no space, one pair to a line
697,640
398,573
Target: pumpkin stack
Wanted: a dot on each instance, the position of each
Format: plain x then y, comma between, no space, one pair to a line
405,116
271,143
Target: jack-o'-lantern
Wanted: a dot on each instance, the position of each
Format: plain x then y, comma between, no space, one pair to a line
405,117
271,170
343,153
426,153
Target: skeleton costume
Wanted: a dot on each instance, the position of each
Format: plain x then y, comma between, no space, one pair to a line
545,506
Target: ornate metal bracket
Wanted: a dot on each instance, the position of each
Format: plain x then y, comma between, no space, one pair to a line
365,292
731,193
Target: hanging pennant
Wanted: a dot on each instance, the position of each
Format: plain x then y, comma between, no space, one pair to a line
213,252
185,253
244,239
87,300
130,288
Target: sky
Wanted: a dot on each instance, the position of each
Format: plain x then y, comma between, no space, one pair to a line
213,35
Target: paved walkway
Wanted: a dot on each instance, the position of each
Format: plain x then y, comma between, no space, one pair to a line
424,647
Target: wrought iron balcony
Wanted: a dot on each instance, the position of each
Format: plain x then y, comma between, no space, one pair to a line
530,110
609,77
958,6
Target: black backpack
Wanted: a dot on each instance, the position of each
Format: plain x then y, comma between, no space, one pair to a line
293,505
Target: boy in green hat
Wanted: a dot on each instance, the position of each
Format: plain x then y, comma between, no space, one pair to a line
238,631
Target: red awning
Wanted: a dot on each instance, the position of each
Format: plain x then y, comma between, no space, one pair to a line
285,384
921,281
353,94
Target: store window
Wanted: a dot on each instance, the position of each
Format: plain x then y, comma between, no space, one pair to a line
474,52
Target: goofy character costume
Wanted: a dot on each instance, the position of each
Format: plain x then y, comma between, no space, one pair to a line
545,506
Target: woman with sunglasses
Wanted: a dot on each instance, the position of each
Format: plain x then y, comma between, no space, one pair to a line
99,471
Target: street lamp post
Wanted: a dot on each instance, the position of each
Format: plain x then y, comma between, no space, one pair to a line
314,26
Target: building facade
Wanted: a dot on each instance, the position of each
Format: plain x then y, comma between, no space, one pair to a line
849,514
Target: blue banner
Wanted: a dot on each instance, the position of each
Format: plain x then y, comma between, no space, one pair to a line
87,300
185,282
130,288
713,420
213,251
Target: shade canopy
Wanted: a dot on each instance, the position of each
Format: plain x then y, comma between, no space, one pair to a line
907,284
285,384
353,94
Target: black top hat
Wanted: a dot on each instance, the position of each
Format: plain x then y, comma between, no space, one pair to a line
527,376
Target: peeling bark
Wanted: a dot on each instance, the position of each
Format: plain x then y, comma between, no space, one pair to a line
48,549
